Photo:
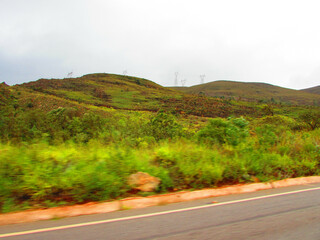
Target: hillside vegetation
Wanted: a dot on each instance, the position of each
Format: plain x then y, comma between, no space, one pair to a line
68,141
313,90
107,91
257,92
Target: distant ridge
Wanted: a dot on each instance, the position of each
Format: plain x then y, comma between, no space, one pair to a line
314,90
253,91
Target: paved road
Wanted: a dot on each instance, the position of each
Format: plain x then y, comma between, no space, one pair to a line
269,214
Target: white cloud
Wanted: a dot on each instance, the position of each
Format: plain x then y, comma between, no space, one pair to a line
270,41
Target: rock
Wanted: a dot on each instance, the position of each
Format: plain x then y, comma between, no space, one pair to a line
143,181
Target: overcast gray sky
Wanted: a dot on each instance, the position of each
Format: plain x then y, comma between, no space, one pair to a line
272,41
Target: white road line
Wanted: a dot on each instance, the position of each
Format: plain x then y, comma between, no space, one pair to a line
151,214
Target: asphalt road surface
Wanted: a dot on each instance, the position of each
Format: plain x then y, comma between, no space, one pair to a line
284,213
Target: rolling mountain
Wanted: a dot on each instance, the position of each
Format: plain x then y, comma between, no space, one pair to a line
103,92
256,92
314,90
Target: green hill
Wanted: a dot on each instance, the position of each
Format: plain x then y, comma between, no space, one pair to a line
103,91
257,92
314,90
5,94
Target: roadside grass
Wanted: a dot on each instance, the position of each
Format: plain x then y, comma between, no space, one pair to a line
38,175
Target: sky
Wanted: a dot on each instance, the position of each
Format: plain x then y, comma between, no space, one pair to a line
274,41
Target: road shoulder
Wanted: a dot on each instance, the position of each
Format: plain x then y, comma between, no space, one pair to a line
142,202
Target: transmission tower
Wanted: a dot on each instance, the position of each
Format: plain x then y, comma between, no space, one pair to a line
69,75
183,82
202,78
176,78
125,72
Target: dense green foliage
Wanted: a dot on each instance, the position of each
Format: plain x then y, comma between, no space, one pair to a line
61,157
61,143
231,131
311,118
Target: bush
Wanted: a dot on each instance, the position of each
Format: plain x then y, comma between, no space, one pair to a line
266,135
311,118
278,122
163,126
231,131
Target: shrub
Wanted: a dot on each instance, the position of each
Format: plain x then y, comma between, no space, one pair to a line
163,125
311,118
231,131
277,120
266,136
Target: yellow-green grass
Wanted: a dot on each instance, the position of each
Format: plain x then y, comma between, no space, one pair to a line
41,175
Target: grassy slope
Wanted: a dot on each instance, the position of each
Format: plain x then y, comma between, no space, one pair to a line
102,92
314,90
253,92
5,94
105,91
